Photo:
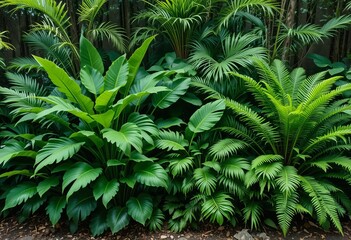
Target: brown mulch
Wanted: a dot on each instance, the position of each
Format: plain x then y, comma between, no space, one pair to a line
38,227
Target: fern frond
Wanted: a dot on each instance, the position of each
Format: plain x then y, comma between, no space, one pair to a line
285,205
253,213
226,147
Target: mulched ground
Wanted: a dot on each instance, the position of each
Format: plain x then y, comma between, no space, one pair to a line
38,227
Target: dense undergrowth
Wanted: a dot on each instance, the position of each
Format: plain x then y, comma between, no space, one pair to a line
218,131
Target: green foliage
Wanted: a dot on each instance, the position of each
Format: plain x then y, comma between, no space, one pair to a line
295,139
94,158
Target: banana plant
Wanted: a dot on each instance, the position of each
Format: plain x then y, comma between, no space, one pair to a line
99,164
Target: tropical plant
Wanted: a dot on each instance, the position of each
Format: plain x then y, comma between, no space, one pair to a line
98,164
52,34
215,55
178,19
291,38
296,142
4,45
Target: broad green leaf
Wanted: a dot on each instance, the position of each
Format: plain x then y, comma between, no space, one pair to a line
115,163
146,125
192,99
81,174
134,62
98,224
138,157
92,80
89,56
105,119
80,206
45,185
129,180
87,136
105,100
56,150
177,88
30,207
129,135
117,219
140,208
207,116
123,103
19,194
24,172
9,151
168,123
116,75
151,174
106,189
62,105
319,60
55,208
66,85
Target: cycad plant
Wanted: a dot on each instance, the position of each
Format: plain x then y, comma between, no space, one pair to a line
52,36
177,20
297,141
97,165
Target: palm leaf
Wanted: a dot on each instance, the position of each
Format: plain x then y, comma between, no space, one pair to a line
80,174
206,117
66,85
56,150
140,208
19,194
226,147
218,207
205,180
151,174
129,135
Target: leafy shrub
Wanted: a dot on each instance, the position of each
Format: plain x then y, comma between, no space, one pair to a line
96,163
296,141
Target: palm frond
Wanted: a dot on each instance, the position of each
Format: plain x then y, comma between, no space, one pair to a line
234,6
253,213
329,28
25,83
112,33
54,10
50,46
89,9
323,202
226,147
25,64
215,61
4,44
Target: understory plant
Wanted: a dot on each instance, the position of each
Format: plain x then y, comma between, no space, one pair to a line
56,36
96,164
295,136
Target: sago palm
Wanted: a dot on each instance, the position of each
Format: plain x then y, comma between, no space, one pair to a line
296,142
